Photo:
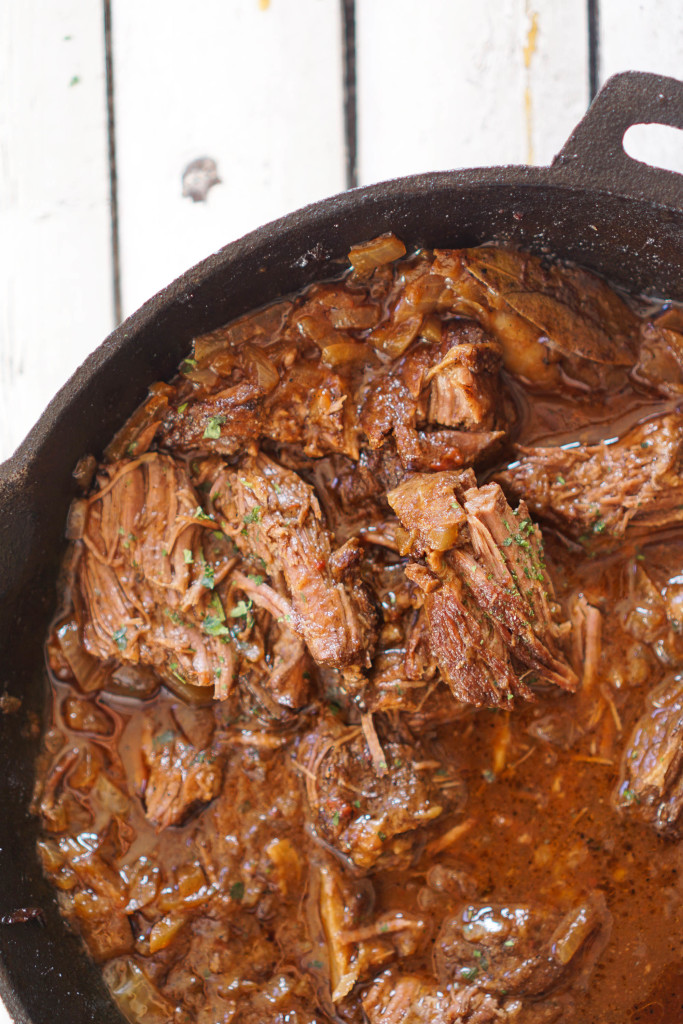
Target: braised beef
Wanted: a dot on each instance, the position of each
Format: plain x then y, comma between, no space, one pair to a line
651,779
488,597
354,718
630,485
367,793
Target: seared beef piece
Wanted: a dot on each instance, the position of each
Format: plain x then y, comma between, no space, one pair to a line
147,574
181,776
632,485
275,518
464,385
651,779
224,422
454,383
287,398
362,799
488,599
522,950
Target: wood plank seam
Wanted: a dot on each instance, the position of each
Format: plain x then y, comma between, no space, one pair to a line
113,179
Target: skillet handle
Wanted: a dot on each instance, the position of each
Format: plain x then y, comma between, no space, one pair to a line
595,148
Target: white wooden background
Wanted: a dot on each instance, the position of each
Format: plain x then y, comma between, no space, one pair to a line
257,85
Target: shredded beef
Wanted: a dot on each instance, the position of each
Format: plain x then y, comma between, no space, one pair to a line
611,489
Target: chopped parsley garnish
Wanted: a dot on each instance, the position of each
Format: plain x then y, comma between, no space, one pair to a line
199,513
240,609
164,738
254,515
237,891
469,973
335,818
213,626
187,556
213,427
258,580
207,579
182,408
119,637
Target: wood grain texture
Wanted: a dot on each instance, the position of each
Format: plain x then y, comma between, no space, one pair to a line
448,83
55,269
637,35
255,86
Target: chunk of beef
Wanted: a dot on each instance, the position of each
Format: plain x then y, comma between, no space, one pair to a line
488,598
275,517
634,484
148,572
364,793
523,950
249,392
453,383
651,779
181,776
396,998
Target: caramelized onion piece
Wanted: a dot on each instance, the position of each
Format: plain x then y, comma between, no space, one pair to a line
384,249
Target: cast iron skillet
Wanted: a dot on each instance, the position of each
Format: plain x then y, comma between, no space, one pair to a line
594,204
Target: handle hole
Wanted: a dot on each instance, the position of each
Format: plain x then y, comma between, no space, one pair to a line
659,145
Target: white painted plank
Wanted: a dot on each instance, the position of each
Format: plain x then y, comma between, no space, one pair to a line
637,35
450,83
257,87
55,269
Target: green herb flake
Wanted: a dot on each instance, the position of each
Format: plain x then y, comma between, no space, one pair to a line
182,408
213,427
120,639
599,526
356,804
200,514
207,579
560,479
237,891
240,609
469,973
509,943
253,516
188,364
164,738
187,556
213,626
335,818
488,775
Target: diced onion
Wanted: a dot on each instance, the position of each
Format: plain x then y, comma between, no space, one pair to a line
75,520
384,249
344,352
575,929
90,673
261,367
354,317
394,339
